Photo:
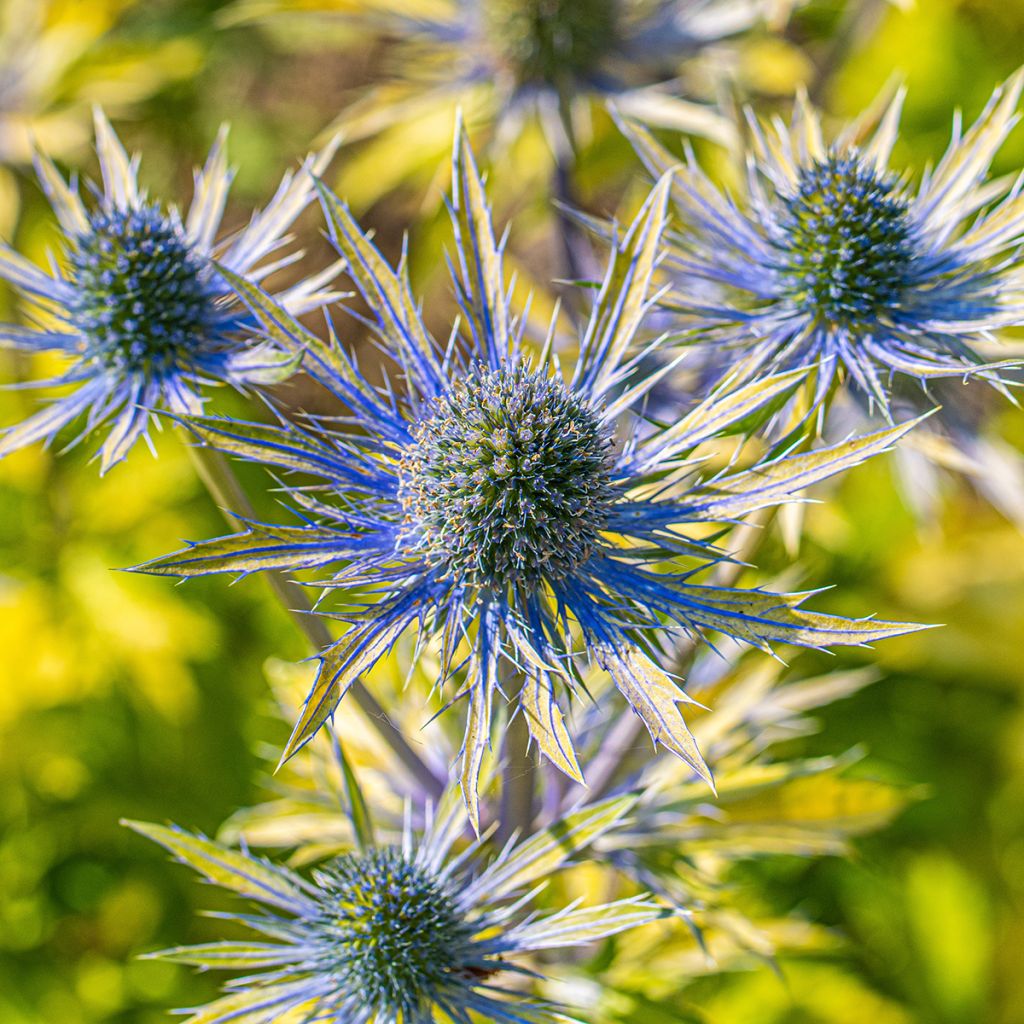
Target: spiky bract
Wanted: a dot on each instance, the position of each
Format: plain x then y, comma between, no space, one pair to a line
138,308
488,508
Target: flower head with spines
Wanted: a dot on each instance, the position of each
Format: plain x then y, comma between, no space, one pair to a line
836,260
137,305
515,61
674,843
418,930
508,508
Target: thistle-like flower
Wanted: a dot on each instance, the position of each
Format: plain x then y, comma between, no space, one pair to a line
414,932
510,509
834,259
675,842
138,306
507,60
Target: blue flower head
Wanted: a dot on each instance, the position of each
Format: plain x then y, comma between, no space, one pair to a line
835,259
507,506
509,59
414,931
137,305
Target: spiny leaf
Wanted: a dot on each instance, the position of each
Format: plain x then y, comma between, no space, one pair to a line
546,725
474,746
255,878
387,294
655,697
340,665
230,955
357,810
773,482
262,547
543,853
573,927
623,298
760,617
479,255
721,410
252,1006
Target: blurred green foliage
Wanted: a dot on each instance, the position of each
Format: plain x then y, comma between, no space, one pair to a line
121,696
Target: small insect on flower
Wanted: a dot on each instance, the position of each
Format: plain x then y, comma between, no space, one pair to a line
835,259
509,509
416,932
138,306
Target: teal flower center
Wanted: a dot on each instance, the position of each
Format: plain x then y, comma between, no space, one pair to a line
397,937
848,242
550,41
508,481
140,301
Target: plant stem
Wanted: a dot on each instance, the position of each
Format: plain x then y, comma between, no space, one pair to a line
224,487
575,251
518,777
859,20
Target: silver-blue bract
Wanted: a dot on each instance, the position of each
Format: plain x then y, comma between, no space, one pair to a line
834,259
137,305
511,509
418,931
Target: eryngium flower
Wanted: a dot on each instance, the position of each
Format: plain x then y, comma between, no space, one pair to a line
411,932
138,306
509,59
835,259
494,505
675,843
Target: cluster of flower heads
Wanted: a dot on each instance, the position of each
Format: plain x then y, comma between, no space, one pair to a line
835,260
511,508
516,510
136,304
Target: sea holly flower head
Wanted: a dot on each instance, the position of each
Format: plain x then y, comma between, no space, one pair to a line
835,259
510,61
417,930
675,842
137,305
547,42
508,481
511,509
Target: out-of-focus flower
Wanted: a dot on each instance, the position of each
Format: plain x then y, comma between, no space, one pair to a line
683,847
400,932
492,506
508,60
137,305
833,259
